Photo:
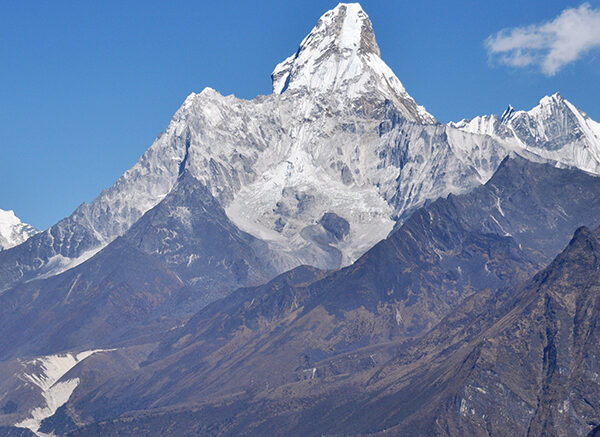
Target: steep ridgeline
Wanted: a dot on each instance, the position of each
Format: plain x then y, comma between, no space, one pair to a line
12,230
181,255
535,371
191,234
338,138
555,130
271,357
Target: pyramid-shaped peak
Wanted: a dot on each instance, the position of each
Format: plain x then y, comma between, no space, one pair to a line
347,26
339,36
340,55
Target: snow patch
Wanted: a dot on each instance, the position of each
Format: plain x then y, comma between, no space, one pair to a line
58,263
463,407
499,207
398,317
49,370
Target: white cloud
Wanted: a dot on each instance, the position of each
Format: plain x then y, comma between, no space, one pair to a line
552,45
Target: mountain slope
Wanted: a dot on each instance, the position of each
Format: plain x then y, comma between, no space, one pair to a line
190,233
539,359
13,231
181,255
90,306
492,237
263,355
529,369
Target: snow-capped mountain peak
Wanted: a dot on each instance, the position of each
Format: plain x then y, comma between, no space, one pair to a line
554,130
554,99
320,170
12,230
551,105
341,54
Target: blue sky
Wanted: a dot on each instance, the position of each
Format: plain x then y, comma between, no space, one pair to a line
85,87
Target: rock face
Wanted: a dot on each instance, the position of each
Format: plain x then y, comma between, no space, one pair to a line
189,232
533,371
13,231
404,319
339,134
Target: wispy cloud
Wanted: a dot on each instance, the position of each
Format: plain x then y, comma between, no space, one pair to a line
552,45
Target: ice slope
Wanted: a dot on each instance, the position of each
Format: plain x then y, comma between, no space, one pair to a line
12,230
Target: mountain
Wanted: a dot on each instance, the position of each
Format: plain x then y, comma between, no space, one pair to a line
341,53
13,231
189,232
270,357
339,137
284,262
555,130
539,360
518,362
181,255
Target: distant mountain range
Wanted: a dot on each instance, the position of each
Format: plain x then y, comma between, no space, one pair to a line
13,231
325,260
